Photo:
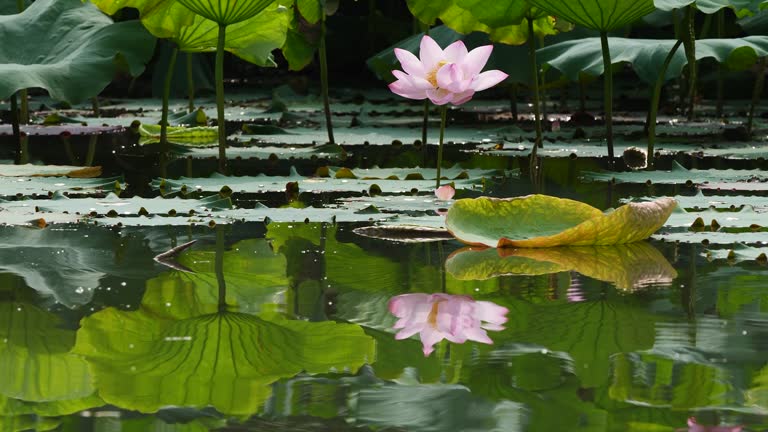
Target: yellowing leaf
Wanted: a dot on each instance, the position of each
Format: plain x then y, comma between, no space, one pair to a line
543,221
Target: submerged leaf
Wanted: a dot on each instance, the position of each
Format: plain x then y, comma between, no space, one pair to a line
544,221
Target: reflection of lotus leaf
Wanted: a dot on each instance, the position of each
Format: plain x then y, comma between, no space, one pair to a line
544,221
68,264
143,361
631,266
39,375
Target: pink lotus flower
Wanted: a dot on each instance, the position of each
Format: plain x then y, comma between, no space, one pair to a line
693,426
444,76
445,192
442,316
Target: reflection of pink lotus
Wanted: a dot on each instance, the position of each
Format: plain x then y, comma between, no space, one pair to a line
443,316
444,76
693,426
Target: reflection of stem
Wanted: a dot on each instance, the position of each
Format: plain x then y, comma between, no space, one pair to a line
689,290
443,121
756,93
219,268
164,116
653,114
441,266
220,99
608,108
190,84
324,82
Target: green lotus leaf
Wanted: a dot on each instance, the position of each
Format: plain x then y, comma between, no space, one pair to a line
71,68
543,221
646,56
39,373
740,7
503,21
162,18
227,12
602,15
630,266
758,393
24,423
253,40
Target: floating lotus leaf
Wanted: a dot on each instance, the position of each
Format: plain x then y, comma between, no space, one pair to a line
647,56
71,68
191,136
740,7
29,170
226,12
543,221
603,15
631,266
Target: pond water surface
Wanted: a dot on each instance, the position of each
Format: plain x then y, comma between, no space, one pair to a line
289,327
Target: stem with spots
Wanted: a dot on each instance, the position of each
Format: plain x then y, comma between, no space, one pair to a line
443,121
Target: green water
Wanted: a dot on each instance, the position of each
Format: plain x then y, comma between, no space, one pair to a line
287,327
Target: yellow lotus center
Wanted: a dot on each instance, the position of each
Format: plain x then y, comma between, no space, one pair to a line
432,75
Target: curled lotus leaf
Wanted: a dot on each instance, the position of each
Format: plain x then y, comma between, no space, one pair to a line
226,12
536,221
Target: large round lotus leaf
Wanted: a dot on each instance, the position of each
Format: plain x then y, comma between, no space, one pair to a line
603,15
629,266
227,12
161,17
647,56
68,48
543,221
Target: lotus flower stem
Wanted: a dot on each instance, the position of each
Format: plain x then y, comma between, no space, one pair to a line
608,93
513,102
720,67
689,41
324,81
653,113
164,115
220,99
15,127
23,94
533,163
443,121
190,84
756,93
535,86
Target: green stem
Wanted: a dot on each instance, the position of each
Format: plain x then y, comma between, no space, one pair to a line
608,78
324,82
513,102
24,109
96,106
655,103
689,41
15,127
92,141
756,93
443,121
164,117
190,84
220,99
720,67
704,33
535,83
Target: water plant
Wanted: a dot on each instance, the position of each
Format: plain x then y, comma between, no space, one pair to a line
450,76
